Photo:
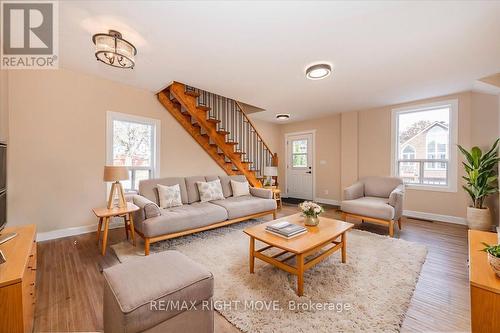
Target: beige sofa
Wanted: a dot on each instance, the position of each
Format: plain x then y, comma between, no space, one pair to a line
375,199
154,224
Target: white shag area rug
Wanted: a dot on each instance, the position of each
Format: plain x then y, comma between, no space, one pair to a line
371,292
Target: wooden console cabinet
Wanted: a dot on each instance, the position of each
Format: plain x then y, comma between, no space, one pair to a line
484,285
17,281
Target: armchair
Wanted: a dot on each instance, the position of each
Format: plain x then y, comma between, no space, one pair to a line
375,199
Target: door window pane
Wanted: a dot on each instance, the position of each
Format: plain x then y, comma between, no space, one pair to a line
299,146
299,161
299,153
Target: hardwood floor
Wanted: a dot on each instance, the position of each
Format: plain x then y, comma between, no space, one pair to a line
70,284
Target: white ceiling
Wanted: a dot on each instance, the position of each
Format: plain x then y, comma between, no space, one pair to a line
382,52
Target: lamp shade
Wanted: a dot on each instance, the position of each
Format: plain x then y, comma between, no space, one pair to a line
270,171
115,173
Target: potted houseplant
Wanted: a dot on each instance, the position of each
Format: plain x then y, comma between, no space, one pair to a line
480,181
493,257
311,211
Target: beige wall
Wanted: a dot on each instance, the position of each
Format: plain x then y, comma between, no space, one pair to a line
327,147
269,132
349,149
484,130
358,144
375,156
4,105
57,144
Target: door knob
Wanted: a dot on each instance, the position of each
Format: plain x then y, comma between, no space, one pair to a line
308,172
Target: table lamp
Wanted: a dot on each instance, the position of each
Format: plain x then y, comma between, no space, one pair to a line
270,172
115,174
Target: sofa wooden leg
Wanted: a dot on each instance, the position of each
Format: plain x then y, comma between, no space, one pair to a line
274,215
399,224
146,246
391,228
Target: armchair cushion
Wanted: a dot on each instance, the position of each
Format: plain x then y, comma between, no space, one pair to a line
370,207
354,191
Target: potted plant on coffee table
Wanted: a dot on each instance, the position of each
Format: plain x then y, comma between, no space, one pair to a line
480,181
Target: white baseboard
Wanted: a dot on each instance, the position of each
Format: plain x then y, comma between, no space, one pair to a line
59,233
435,217
327,201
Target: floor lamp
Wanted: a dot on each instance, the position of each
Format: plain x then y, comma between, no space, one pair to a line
115,174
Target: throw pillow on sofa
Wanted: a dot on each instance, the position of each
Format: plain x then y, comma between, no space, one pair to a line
210,190
240,188
170,196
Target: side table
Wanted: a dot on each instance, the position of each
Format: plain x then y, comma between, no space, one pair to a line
104,214
276,195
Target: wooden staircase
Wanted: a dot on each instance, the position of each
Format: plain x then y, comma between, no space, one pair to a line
220,126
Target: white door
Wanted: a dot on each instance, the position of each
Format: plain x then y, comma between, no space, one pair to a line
300,166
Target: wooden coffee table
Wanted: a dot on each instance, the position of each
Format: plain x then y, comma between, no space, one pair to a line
320,242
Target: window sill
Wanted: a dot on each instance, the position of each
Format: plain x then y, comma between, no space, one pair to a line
449,188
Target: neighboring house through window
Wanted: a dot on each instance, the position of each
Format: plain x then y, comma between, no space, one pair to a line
133,142
408,153
422,137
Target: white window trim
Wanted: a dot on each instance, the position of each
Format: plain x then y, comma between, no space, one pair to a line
111,116
452,165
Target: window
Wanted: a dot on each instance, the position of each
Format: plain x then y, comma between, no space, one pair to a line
299,154
133,142
408,153
437,147
422,137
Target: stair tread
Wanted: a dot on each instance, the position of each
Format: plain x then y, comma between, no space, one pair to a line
192,93
215,121
204,108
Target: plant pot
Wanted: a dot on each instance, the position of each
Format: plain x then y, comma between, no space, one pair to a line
494,263
311,221
479,219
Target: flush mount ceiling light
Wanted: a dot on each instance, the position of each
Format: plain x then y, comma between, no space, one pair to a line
318,72
282,116
113,50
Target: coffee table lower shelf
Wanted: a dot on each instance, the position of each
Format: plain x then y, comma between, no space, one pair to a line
320,252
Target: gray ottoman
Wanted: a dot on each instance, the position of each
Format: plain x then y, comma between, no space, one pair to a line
164,292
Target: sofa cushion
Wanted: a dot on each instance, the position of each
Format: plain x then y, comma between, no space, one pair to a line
136,289
169,196
380,186
245,205
192,188
370,207
240,188
183,218
226,183
148,188
210,191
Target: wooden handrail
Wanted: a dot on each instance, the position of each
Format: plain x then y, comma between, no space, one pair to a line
255,128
